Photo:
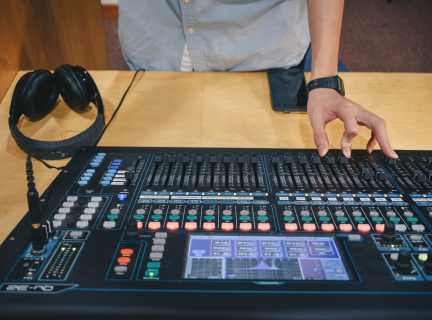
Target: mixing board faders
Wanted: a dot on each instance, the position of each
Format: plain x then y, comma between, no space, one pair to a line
159,230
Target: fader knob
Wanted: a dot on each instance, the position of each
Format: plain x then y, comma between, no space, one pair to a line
404,260
129,174
390,160
185,157
329,159
342,159
302,158
254,158
419,176
288,158
366,174
274,158
381,175
172,157
389,233
132,231
428,263
315,158
199,157
226,158
213,158
158,157
240,158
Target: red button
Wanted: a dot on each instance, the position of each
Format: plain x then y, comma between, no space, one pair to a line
227,226
291,226
126,252
190,225
345,227
123,260
329,227
172,225
139,224
245,226
380,227
264,226
209,226
154,225
363,227
309,227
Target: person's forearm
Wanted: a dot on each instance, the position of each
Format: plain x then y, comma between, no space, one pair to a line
325,22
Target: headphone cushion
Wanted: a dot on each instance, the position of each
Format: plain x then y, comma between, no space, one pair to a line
74,92
38,94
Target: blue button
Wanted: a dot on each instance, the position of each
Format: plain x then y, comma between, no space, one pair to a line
227,202
109,174
243,202
115,163
210,202
82,183
112,171
122,196
85,178
144,201
114,167
99,158
118,160
91,170
88,174
194,201
105,183
101,154
95,165
107,178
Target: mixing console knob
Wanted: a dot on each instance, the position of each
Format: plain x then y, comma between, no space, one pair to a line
240,158
213,158
226,158
274,158
172,157
404,260
302,158
366,174
288,158
254,158
419,176
390,160
185,157
129,174
315,158
381,175
389,233
158,157
342,159
132,231
428,263
329,158
199,157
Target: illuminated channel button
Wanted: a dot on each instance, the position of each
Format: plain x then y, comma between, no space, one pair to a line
363,227
156,217
359,219
172,225
418,227
138,216
139,224
153,265
109,224
114,167
291,226
115,211
356,214
103,154
59,216
322,213
96,199
191,218
86,217
126,252
151,273
112,216
227,212
287,213
82,224
307,219
89,210
190,225
345,227
341,219
72,198
408,214
324,219
412,220
289,219
124,260
264,226
244,212
227,226
380,227
245,226
328,227
309,227
394,219
174,217
120,269
95,164
229,218
377,219
209,218
245,218
154,225
209,226
210,212
109,174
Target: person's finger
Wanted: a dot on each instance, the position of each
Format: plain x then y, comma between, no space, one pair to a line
371,143
351,131
320,136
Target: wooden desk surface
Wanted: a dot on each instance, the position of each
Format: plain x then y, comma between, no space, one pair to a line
208,109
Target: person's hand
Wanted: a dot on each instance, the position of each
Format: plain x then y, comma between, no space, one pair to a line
325,105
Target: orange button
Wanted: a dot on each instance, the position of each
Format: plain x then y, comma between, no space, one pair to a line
345,227
126,252
139,224
329,227
245,226
309,227
264,226
123,260
190,225
172,225
291,227
209,226
380,227
227,226
154,225
363,227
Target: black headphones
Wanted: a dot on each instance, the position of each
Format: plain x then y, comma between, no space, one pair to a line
35,96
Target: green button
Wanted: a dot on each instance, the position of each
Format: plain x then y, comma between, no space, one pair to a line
174,217
394,219
138,216
153,265
209,218
244,218
423,257
306,219
227,218
377,219
191,218
324,219
412,220
359,219
112,216
289,219
152,273
156,217
262,218
342,219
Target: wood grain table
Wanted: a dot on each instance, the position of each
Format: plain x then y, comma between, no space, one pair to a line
207,109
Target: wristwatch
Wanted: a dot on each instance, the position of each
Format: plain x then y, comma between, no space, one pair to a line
334,82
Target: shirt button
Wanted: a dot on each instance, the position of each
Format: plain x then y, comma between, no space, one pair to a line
186,1
191,30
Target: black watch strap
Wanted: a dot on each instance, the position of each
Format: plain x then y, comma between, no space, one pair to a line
334,82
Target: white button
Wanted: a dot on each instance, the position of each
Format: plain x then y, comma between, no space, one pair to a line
301,199
156,255
109,224
89,210
159,241
380,199
77,234
356,214
86,217
93,204
96,198
162,235
262,212
56,224
332,199
120,269
64,210
396,199
227,212
82,224
418,227
339,213
158,248
191,30
72,198
115,211
210,212
322,213
305,213
408,214
286,213
283,198
391,214
374,214
140,211
316,199
68,204
348,199
186,1
365,199
59,216
354,237
394,256
400,227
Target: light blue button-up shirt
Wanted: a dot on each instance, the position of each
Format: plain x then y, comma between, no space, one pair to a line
221,35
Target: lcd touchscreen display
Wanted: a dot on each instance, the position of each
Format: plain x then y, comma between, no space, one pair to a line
264,258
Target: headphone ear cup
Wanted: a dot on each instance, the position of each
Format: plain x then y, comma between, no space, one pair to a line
72,88
38,94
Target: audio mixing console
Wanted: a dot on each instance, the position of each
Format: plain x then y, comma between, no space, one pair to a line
234,233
